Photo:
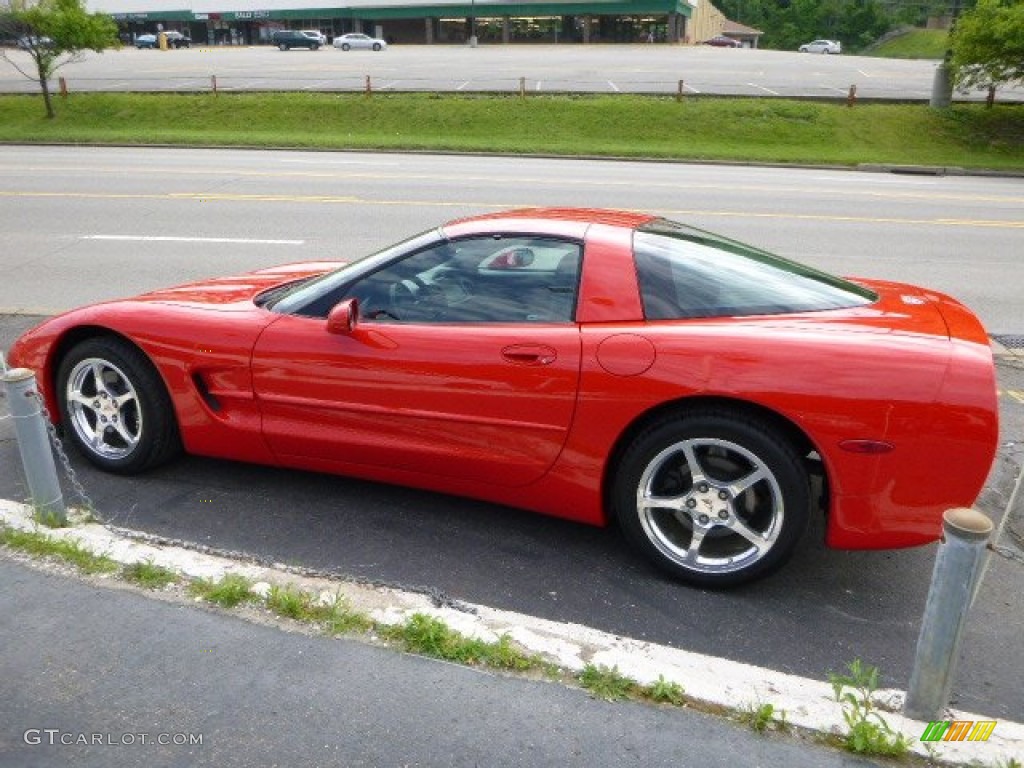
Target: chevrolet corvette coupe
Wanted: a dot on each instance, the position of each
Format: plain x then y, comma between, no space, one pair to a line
601,366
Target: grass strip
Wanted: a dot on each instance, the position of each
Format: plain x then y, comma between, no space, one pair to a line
630,126
71,552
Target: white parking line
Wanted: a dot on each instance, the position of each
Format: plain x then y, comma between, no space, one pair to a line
614,87
766,90
170,239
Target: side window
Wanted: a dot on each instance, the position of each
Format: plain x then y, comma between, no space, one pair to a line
674,290
476,280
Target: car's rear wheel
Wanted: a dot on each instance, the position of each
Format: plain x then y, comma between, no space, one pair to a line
115,407
376,46
712,497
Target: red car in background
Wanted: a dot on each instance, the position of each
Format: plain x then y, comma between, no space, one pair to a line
600,366
721,41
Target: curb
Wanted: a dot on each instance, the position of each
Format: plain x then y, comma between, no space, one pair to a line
808,704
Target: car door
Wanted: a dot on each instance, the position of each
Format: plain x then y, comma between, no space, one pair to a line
464,363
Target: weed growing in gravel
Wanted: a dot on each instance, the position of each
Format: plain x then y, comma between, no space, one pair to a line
869,733
228,592
148,575
607,683
432,637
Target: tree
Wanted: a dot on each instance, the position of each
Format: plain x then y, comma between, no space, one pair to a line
987,46
789,23
53,33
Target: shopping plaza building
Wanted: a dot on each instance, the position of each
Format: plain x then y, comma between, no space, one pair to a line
252,22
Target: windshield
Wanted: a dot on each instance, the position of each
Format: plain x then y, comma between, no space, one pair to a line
686,272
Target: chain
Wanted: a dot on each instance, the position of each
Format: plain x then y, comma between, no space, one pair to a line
62,457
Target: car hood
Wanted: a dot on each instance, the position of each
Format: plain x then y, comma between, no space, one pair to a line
240,290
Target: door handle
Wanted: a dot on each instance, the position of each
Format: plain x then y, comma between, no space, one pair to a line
529,354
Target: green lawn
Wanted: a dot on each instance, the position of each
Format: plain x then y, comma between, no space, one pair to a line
916,44
757,130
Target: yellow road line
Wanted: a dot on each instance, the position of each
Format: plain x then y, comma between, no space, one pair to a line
529,180
351,200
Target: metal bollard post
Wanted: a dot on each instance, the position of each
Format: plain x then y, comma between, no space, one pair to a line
34,443
942,87
954,582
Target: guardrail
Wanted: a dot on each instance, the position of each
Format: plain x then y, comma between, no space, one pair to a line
509,85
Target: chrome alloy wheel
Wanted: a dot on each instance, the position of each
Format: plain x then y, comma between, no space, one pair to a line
104,408
710,505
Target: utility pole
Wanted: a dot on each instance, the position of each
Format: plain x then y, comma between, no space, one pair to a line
942,85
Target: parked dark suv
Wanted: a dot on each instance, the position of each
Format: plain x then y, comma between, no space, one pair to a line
291,38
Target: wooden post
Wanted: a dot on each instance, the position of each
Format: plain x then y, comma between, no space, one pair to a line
852,96
679,92
369,88
522,87
63,87
213,84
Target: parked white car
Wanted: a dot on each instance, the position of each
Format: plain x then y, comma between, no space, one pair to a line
314,34
822,46
355,41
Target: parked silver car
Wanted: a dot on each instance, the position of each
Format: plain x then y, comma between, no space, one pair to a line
355,40
822,46
315,34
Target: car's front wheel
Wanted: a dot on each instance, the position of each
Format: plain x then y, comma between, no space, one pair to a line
345,46
712,497
115,407
282,47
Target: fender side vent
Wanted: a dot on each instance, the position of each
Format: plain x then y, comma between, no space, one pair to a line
204,392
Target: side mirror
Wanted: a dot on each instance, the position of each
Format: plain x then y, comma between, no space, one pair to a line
341,320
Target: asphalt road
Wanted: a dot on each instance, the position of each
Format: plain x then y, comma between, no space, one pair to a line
87,682
86,224
490,68
105,222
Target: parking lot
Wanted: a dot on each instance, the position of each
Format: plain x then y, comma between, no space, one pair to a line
530,69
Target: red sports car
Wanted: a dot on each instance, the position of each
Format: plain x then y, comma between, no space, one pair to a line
595,365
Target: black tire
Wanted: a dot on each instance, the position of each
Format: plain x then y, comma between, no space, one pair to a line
345,46
115,408
314,47
729,478
376,46
282,46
